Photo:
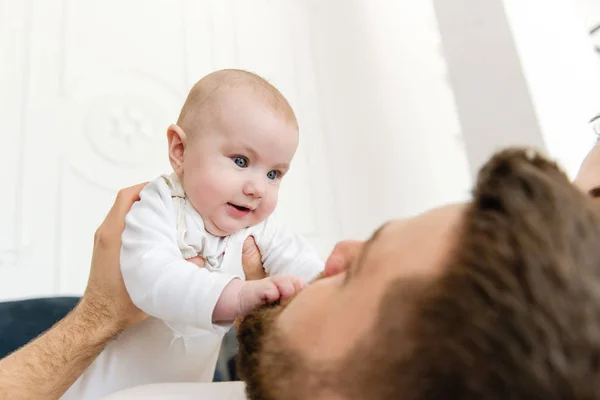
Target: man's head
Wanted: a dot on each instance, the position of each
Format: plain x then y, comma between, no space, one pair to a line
233,142
495,299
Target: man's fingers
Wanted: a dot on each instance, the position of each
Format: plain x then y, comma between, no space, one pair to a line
114,222
249,246
125,199
342,256
252,260
199,261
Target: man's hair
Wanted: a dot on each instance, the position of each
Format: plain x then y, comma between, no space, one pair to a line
516,312
209,87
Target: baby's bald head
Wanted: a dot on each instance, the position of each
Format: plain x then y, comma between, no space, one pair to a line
205,95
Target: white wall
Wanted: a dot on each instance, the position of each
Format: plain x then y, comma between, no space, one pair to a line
88,89
562,71
379,115
381,136
394,140
378,109
486,74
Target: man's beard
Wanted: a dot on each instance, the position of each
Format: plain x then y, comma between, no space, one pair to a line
270,369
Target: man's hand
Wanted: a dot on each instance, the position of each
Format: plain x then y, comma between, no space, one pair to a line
47,366
252,261
342,256
105,296
198,260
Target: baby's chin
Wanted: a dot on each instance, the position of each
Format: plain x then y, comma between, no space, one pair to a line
223,230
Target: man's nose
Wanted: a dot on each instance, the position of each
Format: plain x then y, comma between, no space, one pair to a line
342,256
254,188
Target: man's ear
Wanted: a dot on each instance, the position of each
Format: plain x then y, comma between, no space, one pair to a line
177,142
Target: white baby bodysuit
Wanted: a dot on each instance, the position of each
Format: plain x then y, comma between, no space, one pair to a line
179,342
163,229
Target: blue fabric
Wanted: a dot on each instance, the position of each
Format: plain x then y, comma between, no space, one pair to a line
24,320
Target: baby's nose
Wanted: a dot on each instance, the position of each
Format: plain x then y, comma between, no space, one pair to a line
254,189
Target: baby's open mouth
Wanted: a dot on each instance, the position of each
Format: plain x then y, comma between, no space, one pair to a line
241,208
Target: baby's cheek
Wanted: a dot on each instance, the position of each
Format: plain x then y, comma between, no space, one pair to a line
265,212
204,187
191,181
271,202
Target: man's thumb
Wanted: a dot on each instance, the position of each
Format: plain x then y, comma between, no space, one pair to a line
249,246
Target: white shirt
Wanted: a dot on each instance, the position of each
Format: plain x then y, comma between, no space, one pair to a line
180,343
184,391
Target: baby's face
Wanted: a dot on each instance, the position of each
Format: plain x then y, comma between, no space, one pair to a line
232,169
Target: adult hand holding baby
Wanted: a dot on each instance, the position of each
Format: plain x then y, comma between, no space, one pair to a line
106,299
198,260
251,261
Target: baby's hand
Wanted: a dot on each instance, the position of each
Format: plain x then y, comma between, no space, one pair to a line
254,294
239,298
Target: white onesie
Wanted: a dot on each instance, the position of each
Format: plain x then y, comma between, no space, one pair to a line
179,342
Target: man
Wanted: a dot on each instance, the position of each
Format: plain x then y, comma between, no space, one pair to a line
498,298
495,299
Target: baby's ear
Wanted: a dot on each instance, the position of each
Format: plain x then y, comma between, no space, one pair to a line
177,142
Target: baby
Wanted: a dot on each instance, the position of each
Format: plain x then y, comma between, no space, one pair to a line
232,145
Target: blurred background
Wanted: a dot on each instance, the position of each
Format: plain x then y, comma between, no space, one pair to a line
399,103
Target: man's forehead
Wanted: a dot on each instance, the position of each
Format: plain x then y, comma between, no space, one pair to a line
415,245
587,176
435,222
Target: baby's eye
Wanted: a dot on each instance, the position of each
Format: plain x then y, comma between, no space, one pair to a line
241,162
272,175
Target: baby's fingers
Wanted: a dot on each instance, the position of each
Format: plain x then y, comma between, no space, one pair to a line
298,283
288,285
270,292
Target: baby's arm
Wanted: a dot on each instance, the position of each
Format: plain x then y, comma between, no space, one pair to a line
240,298
159,281
286,252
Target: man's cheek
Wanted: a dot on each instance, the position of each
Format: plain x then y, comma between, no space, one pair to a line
302,319
252,330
